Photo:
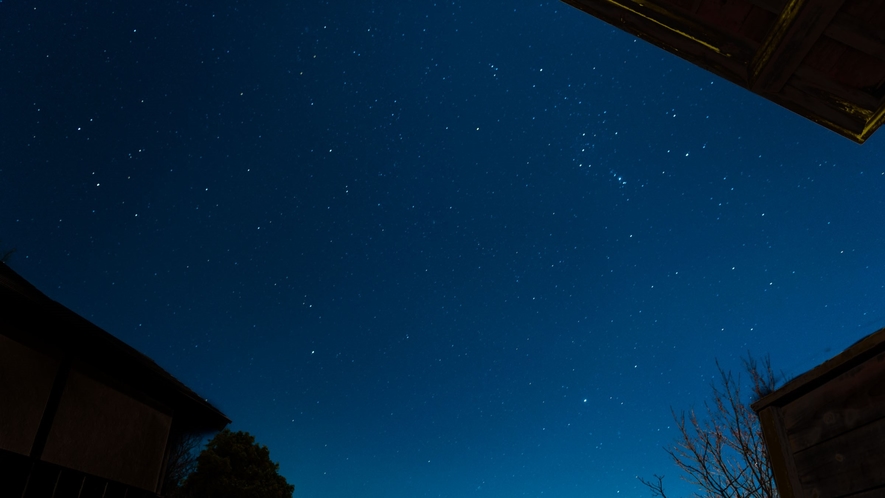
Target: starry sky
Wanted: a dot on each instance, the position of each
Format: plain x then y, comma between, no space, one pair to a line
428,248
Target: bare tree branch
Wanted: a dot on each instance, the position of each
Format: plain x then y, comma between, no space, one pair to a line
724,455
183,453
656,486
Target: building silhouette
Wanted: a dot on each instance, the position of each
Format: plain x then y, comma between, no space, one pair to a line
82,414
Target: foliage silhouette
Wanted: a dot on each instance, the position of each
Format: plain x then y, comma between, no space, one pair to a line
233,466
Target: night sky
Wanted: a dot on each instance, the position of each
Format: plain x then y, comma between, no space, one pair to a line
428,249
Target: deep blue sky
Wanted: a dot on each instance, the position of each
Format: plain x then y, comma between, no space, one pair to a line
428,249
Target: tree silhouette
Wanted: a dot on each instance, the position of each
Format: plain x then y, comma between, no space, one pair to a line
724,455
182,461
233,466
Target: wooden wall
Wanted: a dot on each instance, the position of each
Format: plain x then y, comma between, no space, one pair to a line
94,428
26,378
825,431
101,431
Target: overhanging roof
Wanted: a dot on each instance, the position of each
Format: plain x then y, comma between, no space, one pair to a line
822,59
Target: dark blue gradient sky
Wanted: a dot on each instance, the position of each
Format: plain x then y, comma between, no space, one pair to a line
428,249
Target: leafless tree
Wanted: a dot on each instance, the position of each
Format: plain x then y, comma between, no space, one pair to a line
723,455
183,453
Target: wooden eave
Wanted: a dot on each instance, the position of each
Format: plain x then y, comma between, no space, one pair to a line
859,352
795,454
33,319
822,59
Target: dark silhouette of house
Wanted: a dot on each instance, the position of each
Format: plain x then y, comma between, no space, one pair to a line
822,59
825,430
82,414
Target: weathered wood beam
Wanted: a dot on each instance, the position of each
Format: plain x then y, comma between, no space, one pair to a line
841,466
873,124
808,99
862,350
46,422
779,456
690,14
797,29
773,6
845,29
842,404
812,107
706,46
848,100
